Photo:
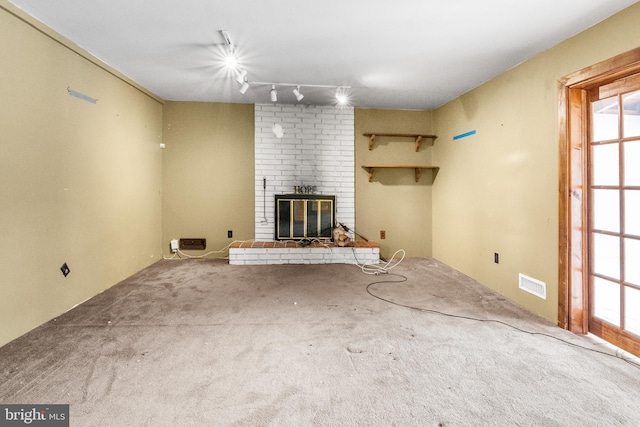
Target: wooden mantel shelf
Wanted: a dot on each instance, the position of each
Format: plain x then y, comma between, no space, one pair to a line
418,169
417,138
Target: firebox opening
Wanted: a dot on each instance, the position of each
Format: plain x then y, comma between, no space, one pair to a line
304,216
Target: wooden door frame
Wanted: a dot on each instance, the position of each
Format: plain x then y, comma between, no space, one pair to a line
573,301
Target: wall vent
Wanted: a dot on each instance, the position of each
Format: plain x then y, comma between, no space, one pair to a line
533,286
193,244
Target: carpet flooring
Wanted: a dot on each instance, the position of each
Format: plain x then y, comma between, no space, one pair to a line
203,343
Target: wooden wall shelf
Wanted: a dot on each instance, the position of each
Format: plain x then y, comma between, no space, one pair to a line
416,137
418,169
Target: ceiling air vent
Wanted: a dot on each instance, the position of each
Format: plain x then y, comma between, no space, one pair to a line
533,286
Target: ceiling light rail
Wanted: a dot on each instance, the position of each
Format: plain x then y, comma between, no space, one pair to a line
299,85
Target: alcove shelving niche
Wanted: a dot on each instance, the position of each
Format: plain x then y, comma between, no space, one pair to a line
417,139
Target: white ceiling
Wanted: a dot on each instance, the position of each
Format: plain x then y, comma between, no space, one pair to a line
402,54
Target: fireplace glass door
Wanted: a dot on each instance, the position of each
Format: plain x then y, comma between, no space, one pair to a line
304,217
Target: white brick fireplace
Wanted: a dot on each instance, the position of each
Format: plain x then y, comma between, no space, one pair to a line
315,150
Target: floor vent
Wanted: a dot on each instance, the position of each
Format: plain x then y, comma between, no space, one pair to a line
533,286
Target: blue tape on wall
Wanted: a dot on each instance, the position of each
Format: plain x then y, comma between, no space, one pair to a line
464,135
81,96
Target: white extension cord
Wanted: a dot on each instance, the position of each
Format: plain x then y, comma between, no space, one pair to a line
377,269
181,255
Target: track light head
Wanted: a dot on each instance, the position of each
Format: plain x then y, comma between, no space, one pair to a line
244,87
230,59
242,76
297,93
273,94
342,97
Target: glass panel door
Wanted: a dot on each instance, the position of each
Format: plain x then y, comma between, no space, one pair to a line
326,218
304,217
614,212
283,216
299,224
312,218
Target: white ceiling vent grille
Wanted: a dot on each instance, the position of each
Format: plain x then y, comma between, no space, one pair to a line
533,286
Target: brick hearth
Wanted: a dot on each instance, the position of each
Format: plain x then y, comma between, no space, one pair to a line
257,252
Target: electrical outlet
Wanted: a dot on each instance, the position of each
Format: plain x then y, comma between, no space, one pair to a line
174,246
496,258
230,234
383,234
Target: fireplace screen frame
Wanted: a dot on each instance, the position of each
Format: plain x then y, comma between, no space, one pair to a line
304,216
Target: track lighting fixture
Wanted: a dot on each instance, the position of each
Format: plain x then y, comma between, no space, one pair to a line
244,87
297,93
341,93
230,60
227,39
341,97
242,76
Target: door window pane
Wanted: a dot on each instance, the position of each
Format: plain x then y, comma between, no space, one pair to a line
631,108
607,300
606,165
632,163
606,210
632,261
632,212
606,254
605,119
632,310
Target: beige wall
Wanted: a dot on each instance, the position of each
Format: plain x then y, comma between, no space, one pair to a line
393,201
208,173
88,184
497,191
79,182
